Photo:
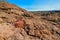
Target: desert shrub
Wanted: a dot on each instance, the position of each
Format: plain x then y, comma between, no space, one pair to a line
55,18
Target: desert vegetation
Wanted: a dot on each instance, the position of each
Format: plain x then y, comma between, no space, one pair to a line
53,16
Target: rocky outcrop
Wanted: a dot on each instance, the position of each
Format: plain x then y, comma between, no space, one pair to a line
35,28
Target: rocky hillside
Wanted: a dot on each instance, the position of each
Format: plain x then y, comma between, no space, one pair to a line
29,26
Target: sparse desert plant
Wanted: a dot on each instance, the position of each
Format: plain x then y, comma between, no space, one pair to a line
55,18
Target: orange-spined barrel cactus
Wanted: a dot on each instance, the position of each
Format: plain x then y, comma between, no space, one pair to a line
20,23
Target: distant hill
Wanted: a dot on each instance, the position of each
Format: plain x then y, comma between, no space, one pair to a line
45,12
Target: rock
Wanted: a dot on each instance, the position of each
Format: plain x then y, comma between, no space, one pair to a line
1,20
6,30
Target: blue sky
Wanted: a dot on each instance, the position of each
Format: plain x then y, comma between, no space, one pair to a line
37,5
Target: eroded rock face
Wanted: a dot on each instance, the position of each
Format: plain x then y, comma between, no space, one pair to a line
34,28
